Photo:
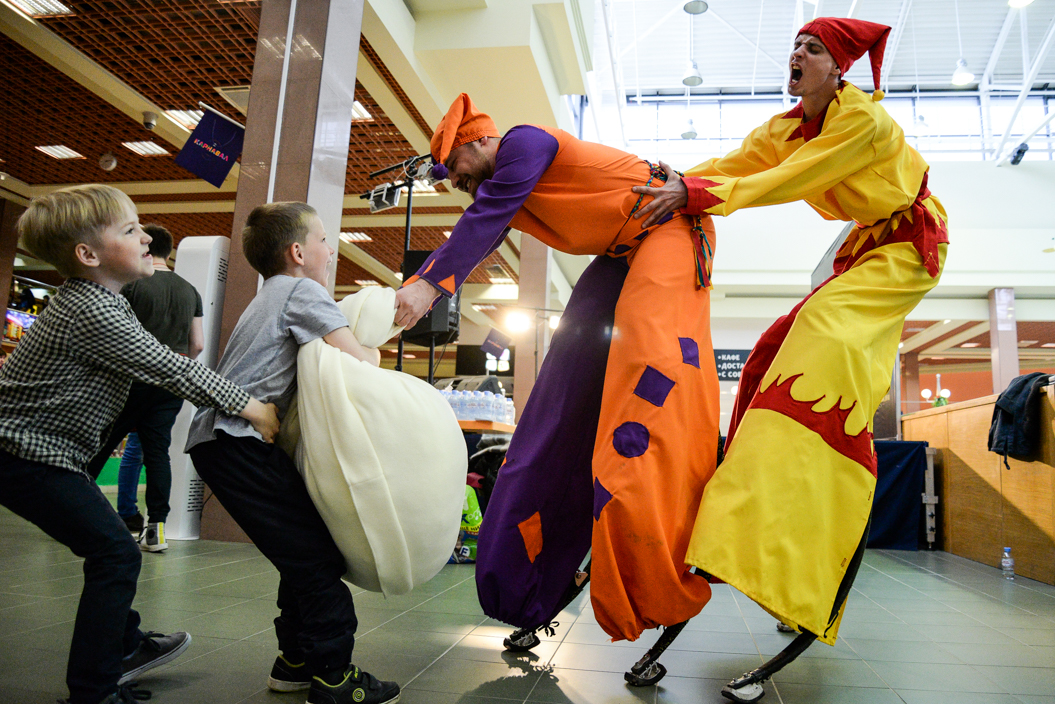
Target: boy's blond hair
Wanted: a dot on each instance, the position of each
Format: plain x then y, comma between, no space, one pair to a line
269,231
54,224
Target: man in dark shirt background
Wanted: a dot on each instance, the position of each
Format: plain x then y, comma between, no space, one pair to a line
171,310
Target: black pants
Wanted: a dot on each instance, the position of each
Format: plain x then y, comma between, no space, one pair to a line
261,488
71,509
150,411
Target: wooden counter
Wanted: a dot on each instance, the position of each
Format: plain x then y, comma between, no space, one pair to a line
983,506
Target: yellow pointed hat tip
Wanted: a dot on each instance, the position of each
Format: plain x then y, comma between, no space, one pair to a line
878,95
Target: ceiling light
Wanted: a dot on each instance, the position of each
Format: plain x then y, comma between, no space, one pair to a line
698,7
501,280
1048,344
962,75
481,307
367,282
447,234
946,322
971,344
1027,343
1019,3
409,356
399,275
925,393
145,148
350,237
692,76
422,188
690,132
945,393
187,119
57,151
41,8
517,322
554,321
359,113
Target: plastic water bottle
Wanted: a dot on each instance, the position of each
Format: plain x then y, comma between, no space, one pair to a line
511,412
498,408
458,403
1007,565
479,406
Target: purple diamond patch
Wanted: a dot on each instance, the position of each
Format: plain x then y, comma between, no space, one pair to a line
653,386
601,497
630,439
690,351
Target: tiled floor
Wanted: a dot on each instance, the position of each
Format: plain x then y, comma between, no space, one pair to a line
921,628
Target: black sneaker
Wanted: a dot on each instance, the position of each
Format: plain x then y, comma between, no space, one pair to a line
288,677
135,523
357,687
154,650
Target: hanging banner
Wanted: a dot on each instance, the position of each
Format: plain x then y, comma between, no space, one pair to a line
213,147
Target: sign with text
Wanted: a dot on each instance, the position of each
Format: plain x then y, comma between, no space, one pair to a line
496,343
729,363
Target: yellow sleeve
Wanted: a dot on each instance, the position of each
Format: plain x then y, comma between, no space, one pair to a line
744,178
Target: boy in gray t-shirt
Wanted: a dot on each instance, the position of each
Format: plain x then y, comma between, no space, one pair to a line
258,483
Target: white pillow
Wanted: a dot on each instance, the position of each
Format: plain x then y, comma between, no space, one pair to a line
381,454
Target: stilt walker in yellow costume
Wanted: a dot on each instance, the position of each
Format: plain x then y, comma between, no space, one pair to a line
785,518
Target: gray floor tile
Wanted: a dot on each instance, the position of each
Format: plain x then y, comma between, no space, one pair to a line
935,676
1022,680
561,686
790,693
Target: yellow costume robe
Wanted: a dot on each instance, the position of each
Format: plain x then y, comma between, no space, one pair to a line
782,517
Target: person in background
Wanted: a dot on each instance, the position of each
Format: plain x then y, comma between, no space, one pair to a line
170,309
65,383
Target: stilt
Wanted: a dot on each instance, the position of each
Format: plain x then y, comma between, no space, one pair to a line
648,670
747,688
524,639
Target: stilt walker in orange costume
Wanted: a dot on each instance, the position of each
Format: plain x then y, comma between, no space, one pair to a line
785,517
620,433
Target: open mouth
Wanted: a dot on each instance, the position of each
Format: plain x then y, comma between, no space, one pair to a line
796,74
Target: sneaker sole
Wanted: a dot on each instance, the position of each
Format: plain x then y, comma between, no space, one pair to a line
285,686
163,660
393,700
154,548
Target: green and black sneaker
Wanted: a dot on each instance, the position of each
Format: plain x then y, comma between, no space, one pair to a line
353,686
287,676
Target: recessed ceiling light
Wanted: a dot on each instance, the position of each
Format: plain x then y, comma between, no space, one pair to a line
145,148
41,8
501,280
1027,343
57,151
481,307
367,282
409,356
187,119
971,344
422,189
356,237
1048,344
447,233
359,113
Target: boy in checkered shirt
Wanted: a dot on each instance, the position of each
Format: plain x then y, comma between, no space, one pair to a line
60,391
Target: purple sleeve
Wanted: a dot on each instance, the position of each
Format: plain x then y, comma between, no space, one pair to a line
523,156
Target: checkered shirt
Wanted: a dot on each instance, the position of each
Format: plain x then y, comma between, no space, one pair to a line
66,382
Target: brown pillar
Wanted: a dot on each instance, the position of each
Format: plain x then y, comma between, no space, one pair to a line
535,261
296,144
910,374
299,124
9,214
1003,337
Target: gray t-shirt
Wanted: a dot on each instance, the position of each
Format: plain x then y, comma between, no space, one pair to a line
261,355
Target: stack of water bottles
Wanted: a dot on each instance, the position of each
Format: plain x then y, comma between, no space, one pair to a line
480,405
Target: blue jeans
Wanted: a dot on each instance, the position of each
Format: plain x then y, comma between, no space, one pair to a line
128,477
71,509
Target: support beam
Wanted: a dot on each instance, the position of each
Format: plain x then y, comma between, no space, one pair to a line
932,333
358,222
750,42
950,342
1027,84
1003,337
364,260
895,37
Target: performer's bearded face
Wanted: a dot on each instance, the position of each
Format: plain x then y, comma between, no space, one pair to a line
470,165
811,66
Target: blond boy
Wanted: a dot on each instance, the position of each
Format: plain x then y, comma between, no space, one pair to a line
61,388
259,484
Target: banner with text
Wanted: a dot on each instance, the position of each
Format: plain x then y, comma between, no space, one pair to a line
213,147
